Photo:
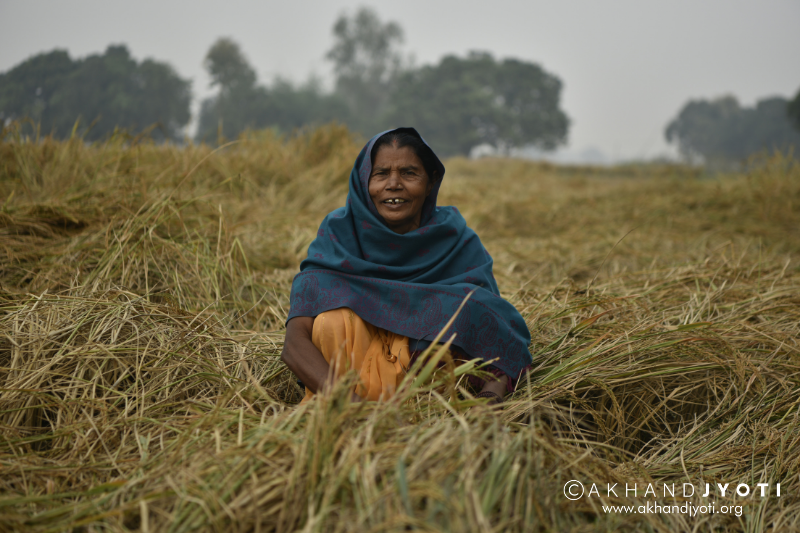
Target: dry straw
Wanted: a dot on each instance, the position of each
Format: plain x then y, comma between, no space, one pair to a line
145,287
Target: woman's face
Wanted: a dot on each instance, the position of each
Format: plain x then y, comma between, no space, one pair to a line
398,187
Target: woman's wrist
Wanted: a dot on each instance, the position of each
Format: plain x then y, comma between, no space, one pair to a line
494,398
494,389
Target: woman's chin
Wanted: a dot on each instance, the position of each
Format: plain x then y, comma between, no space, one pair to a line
401,226
395,218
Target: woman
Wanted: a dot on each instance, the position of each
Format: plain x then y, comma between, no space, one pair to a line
385,274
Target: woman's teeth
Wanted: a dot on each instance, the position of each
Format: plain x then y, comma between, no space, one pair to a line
395,201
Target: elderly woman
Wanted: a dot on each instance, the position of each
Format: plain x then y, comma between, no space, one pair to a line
386,273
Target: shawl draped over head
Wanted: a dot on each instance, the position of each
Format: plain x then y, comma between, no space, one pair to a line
410,284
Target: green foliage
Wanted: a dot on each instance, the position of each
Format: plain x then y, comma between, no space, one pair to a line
242,105
228,68
793,110
457,104
282,106
31,89
291,106
721,131
103,92
461,103
366,61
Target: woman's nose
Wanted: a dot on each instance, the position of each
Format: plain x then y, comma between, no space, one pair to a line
394,181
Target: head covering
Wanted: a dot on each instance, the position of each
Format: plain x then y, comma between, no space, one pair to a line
410,284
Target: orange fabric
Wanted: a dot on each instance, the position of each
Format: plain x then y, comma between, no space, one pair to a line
381,358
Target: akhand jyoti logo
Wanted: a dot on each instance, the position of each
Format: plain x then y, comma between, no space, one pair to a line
575,490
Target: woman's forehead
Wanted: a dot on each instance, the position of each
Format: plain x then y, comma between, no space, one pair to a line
391,155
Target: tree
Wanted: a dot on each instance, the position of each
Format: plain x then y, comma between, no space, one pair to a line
768,128
228,68
793,110
464,102
162,97
721,132
290,106
366,61
31,89
241,104
103,92
231,111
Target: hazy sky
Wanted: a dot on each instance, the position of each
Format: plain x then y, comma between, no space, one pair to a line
627,65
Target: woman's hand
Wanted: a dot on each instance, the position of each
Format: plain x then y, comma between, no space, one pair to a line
495,390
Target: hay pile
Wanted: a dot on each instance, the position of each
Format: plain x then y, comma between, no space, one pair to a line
143,291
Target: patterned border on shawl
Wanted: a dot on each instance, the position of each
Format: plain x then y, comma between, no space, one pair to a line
420,287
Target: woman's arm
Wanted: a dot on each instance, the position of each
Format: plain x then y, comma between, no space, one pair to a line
302,357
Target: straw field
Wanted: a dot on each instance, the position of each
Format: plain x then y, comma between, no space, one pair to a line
144,289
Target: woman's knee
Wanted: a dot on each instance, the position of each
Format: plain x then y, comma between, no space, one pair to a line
333,318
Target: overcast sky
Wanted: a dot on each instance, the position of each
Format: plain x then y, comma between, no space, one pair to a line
627,66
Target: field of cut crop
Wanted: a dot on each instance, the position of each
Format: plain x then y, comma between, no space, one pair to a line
143,294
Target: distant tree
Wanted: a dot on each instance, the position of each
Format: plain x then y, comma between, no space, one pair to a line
105,92
769,127
708,129
290,106
115,91
464,102
366,60
241,104
163,98
32,88
234,107
228,68
722,132
793,110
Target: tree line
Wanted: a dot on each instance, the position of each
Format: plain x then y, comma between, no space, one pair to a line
459,103
721,131
95,95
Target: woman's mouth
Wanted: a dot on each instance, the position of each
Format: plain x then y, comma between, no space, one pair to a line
394,201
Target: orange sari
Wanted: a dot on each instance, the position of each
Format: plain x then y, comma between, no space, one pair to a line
381,358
